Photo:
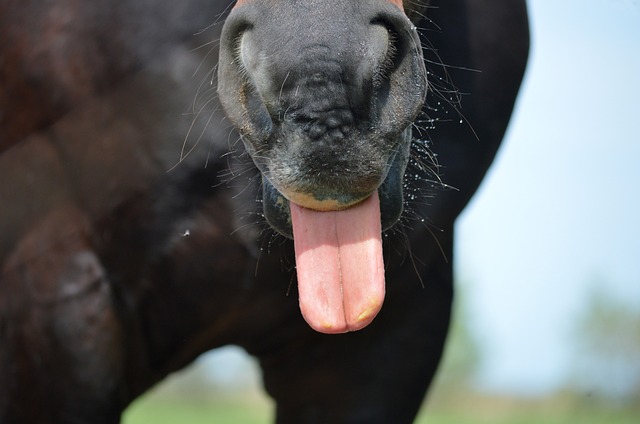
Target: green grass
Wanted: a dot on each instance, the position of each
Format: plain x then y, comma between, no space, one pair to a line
173,411
559,409
443,409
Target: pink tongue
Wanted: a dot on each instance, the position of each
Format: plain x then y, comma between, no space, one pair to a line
340,267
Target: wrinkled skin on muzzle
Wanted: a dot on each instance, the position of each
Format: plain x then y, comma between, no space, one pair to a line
324,93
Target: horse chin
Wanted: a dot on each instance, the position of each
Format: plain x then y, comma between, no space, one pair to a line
277,211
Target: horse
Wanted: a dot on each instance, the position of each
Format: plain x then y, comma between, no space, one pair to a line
280,175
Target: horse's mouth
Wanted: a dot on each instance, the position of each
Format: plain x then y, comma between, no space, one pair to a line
277,203
339,249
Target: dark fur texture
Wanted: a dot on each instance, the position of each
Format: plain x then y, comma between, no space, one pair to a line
102,293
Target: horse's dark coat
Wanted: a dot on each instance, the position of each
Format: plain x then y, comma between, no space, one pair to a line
102,294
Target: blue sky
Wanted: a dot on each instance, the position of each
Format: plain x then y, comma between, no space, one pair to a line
559,212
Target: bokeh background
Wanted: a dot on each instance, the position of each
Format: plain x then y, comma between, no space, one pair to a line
547,324
555,230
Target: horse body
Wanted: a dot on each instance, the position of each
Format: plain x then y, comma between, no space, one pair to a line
103,291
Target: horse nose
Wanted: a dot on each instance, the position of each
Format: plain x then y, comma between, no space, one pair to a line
322,65
330,86
329,125
320,102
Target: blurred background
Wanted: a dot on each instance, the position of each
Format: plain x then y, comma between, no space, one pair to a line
547,323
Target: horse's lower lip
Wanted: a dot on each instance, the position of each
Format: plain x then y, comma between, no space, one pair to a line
277,211
323,205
